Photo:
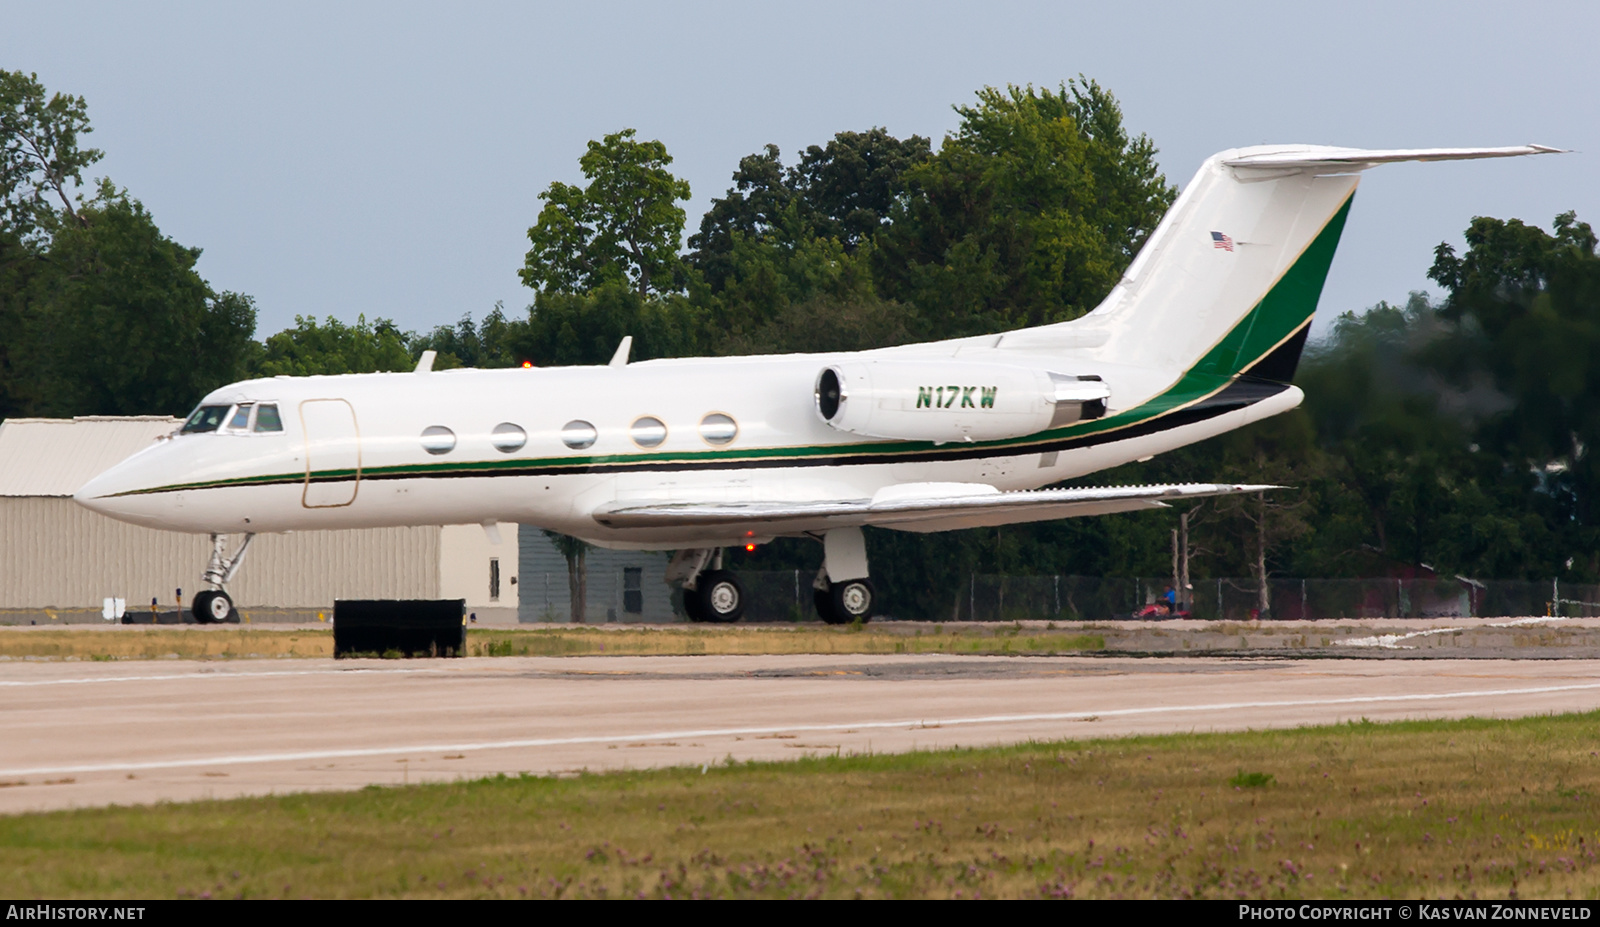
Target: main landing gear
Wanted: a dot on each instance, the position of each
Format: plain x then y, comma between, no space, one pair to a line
214,606
841,592
714,595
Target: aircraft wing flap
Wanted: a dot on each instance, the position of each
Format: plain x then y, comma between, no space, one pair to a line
911,512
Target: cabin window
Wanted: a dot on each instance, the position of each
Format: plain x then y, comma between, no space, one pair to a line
437,439
578,435
717,429
267,419
648,431
241,417
205,418
507,437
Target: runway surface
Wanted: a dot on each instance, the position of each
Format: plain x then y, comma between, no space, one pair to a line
84,734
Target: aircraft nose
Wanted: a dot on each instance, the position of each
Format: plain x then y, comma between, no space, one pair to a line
121,491
101,493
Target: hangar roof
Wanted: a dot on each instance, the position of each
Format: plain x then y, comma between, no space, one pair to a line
56,456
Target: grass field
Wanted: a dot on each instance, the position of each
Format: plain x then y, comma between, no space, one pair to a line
1471,808
148,643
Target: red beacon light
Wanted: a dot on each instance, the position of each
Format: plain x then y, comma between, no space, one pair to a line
527,364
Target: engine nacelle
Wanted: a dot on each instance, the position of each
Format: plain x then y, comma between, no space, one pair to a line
953,401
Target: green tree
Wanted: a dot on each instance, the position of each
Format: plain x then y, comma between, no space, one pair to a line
576,553
41,163
124,324
1027,215
332,347
626,225
41,169
585,328
1524,310
490,343
786,255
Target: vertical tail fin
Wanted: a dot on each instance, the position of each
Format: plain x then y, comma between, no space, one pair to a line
1229,281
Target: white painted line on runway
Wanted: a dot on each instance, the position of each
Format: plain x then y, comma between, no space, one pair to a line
298,756
210,674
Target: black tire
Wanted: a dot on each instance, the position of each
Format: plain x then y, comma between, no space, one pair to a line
823,600
212,607
852,600
721,596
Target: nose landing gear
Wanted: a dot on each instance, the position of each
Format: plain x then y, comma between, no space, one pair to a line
214,605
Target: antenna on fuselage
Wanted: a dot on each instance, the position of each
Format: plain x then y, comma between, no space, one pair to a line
620,359
425,362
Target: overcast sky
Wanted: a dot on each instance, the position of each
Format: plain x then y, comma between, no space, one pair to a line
386,159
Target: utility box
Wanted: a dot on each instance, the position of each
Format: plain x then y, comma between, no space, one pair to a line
404,627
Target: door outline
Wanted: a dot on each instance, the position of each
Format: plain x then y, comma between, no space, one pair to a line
305,437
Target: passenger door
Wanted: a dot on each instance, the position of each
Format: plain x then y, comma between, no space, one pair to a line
333,453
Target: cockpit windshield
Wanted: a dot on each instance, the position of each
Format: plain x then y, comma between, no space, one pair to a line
267,419
205,418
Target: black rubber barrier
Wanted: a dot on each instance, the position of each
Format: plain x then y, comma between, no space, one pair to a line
183,616
399,627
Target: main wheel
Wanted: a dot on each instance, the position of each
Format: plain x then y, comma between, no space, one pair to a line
212,607
852,600
721,596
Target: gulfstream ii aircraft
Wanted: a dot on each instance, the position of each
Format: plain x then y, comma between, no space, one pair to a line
694,455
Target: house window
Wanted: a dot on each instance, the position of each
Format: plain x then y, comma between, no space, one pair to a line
633,590
494,579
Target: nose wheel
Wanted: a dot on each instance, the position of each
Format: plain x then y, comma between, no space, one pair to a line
213,606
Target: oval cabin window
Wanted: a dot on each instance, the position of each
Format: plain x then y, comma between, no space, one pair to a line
437,439
717,429
648,431
507,437
578,435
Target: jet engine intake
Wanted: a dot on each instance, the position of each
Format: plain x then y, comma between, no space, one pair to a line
953,401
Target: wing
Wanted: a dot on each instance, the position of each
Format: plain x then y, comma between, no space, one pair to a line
918,507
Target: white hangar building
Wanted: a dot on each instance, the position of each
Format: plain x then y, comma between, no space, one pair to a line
60,561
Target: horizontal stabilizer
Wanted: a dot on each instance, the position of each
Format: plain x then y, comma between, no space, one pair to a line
1312,156
945,507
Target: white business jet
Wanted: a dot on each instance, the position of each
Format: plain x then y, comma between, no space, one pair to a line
1200,336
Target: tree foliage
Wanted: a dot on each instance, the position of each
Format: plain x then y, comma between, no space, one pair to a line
332,347
1028,213
41,163
626,225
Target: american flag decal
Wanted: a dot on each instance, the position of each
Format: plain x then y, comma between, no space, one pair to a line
1219,240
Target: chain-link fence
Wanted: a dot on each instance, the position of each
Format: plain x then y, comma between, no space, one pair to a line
786,595
1009,598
